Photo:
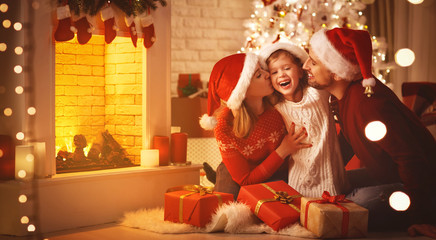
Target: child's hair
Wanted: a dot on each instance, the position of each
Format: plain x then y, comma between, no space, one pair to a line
302,83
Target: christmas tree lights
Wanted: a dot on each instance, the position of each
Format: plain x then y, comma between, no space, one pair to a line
297,20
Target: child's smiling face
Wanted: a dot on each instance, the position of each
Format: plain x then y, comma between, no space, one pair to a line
285,77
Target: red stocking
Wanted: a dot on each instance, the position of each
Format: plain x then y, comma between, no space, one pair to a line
110,30
84,31
132,29
148,29
63,31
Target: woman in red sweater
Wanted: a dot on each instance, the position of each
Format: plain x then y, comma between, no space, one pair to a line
251,134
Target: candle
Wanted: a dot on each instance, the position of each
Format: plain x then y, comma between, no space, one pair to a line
41,168
7,158
150,158
162,143
179,146
24,162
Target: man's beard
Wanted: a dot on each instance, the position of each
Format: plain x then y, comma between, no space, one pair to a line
318,86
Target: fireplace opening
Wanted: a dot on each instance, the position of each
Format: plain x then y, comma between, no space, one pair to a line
98,104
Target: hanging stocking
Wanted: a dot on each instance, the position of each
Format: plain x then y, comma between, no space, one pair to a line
110,29
148,29
84,30
132,29
63,31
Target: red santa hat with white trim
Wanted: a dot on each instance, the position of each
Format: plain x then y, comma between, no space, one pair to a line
347,53
229,82
295,50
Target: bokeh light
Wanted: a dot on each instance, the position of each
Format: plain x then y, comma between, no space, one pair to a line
19,90
7,112
375,130
31,228
24,220
18,50
18,69
415,1
18,26
3,47
6,23
1,153
22,198
4,7
404,57
20,136
399,201
22,174
30,157
31,111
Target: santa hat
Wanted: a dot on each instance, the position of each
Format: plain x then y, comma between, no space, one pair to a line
229,82
347,53
295,50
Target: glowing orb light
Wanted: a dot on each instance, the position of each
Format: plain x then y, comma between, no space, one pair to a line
375,130
24,219
416,1
399,201
404,57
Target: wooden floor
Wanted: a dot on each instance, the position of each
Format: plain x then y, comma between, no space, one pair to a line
117,232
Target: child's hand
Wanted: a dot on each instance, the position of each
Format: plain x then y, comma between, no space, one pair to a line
292,142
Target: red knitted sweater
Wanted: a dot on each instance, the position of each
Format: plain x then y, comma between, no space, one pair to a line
252,159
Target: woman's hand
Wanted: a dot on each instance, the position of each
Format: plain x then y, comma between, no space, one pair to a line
292,142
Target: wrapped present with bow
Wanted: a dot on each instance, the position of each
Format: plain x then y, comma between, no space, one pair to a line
193,204
275,203
333,217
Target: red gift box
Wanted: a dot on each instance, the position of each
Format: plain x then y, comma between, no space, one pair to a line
275,203
188,84
193,205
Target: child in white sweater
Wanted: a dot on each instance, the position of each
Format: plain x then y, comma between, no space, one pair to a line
318,168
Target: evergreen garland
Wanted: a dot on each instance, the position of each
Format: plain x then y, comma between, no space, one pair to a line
129,7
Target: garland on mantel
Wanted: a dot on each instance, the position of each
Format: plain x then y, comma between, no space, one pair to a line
129,7
82,10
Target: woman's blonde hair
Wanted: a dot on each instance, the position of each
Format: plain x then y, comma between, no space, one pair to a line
244,119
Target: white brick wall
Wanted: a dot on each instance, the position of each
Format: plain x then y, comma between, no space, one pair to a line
204,31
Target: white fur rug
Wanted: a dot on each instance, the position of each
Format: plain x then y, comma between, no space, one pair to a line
231,218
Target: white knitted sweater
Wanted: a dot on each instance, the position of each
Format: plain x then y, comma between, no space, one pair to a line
320,167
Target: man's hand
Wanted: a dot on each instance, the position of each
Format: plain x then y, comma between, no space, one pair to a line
422,229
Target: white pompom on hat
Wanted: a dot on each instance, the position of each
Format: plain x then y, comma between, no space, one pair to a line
345,52
229,82
295,50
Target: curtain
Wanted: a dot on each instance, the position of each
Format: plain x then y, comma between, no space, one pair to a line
405,25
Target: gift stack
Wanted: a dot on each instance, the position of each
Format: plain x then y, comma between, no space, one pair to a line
333,217
193,204
275,203
188,84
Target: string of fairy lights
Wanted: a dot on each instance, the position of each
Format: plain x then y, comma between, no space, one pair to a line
18,111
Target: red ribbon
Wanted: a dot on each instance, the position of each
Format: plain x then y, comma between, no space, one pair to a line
336,200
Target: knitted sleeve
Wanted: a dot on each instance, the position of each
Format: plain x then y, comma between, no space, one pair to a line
403,142
245,171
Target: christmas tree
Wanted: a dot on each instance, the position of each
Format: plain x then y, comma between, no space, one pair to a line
297,20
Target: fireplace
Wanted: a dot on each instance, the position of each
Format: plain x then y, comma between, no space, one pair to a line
70,200
98,104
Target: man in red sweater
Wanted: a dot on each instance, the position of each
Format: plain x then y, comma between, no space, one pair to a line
402,156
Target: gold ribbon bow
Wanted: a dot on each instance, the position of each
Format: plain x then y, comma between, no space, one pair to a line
193,189
281,196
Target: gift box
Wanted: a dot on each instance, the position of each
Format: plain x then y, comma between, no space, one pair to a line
275,203
334,217
193,204
188,84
